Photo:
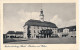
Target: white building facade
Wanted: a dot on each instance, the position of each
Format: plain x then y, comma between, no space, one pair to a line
39,28
34,28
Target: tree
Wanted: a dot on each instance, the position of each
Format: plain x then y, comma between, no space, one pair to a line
46,32
28,33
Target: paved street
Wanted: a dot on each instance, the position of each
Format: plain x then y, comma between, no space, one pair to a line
47,41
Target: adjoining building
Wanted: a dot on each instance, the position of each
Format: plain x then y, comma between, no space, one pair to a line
12,34
67,31
39,28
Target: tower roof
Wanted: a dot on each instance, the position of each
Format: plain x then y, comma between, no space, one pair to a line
41,13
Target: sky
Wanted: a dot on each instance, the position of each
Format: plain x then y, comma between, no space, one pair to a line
16,14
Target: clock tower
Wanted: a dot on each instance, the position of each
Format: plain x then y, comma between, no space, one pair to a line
41,15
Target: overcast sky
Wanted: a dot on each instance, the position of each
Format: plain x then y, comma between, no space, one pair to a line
16,14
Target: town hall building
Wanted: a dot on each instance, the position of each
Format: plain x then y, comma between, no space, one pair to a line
39,28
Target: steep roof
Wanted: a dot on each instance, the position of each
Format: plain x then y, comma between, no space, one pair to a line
39,23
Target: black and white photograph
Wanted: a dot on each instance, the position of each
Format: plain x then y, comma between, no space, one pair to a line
39,23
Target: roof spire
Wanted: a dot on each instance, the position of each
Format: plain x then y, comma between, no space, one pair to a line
41,15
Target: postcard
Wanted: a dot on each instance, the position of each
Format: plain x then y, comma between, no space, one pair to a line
43,25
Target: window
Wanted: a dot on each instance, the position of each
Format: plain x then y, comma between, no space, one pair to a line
34,27
34,35
53,28
24,27
55,31
34,31
38,31
44,27
38,27
41,27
